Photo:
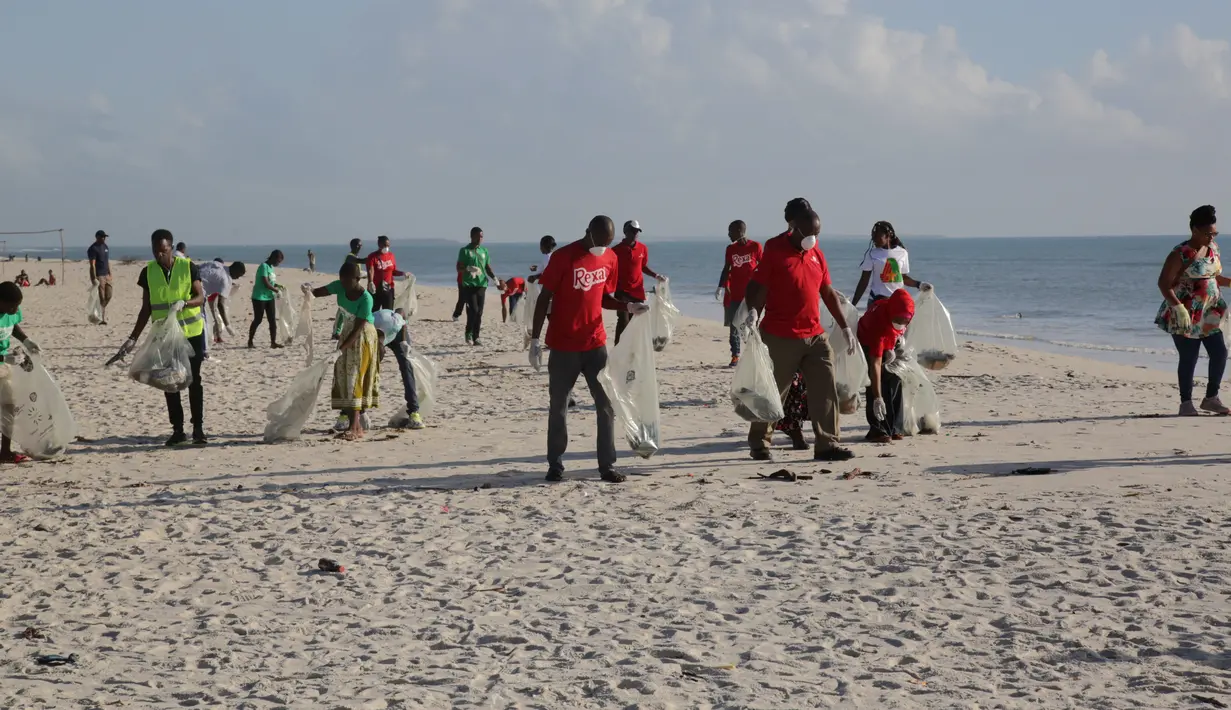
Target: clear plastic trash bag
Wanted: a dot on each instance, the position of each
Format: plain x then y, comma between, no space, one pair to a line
631,382
754,391
164,360
664,314
34,414
850,371
303,326
920,412
931,334
93,305
427,377
528,303
408,300
287,415
287,318
1225,327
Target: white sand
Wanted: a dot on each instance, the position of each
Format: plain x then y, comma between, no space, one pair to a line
185,578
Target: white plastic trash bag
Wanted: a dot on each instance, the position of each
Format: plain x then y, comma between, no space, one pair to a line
289,413
427,374
303,327
34,414
920,412
930,334
408,300
287,318
164,360
851,371
1225,327
528,303
754,392
663,313
631,383
93,305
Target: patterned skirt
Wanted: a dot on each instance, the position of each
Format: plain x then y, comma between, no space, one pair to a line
795,406
356,374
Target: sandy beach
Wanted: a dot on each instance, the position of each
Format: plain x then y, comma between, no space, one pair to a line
937,579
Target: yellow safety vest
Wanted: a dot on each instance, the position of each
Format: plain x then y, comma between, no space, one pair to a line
164,294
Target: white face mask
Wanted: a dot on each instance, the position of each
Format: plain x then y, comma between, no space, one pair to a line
807,243
598,251
384,250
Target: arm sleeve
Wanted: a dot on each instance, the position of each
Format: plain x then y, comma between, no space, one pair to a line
334,288
825,281
904,263
194,272
142,281
363,311
867,264
550,279
609,288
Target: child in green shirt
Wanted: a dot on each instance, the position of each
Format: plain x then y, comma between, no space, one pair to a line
10,317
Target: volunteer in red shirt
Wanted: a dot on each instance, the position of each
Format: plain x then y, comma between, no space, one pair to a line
579,282
510,295
382,267
880,328
782,296
743,255
634,262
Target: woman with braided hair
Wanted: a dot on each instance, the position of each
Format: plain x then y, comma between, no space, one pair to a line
886,265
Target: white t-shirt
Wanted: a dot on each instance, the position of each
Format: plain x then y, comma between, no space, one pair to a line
215,279
887,267
388,323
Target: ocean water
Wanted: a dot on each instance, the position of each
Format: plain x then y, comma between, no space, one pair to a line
1089,296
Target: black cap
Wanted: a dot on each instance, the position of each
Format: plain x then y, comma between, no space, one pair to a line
100,233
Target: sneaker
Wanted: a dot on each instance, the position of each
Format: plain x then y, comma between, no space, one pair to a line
734,361
342,423
1188,409
613,477
762,455
455,318
416,421
555,476
469,340
837,453
199,439
276,346
1214,405
475,342
877,438
177,439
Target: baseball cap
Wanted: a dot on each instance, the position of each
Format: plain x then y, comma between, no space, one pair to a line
632,224
100,233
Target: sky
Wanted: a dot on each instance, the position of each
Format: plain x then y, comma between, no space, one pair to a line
310,121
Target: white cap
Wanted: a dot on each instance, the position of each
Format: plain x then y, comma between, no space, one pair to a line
632,224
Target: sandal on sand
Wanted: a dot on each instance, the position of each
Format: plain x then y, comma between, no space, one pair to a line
16,458
348,436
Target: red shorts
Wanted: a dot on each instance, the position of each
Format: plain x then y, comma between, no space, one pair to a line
212,299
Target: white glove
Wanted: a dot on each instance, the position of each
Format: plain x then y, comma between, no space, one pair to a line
1180,317
850,340
536,355
637,309
371,287
662,279
31,346
889,357
177,307
925,287
306,288
128,345
753,318
879,412
718,293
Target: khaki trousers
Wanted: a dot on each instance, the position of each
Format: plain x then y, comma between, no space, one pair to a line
814,359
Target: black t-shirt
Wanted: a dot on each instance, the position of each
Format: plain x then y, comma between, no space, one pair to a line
101,257
194,275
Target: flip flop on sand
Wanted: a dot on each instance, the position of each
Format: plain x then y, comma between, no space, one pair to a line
16,458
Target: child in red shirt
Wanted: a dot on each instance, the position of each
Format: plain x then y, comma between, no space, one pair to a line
879,330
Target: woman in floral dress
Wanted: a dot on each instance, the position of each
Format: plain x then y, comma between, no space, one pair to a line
1193,309
795,407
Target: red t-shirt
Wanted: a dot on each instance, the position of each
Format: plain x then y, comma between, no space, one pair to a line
578,280
742,260
632,260
793,282
381,267
512,287
875,329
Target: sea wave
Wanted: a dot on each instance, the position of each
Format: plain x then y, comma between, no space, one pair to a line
1062,343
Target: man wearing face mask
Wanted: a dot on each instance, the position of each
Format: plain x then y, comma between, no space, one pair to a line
579,282
634,262
382,267
742,258
782,299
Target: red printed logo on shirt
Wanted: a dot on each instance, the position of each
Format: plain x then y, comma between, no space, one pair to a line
738,260
585,280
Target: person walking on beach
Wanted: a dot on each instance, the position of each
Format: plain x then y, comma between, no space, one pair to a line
393,333
100,270
171,287
382,267
885,265
880,329
356,374
782,297
579,283
311,261
356,246
634,264
547,245
264,291
743,256
510,296
1193,308
218,279
10,320
474,265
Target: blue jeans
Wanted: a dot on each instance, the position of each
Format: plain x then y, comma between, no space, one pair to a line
408,373
728,318
1190,350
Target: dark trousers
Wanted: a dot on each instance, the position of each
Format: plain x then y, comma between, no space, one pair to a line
891,392
563,369
475,297
263,310
196,395
383,298
728,318
814,359
399,349
512,302
1190,351
461,301
622,318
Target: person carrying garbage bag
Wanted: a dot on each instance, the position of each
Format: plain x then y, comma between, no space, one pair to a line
785,286
880,329
579,282
10,317
172,285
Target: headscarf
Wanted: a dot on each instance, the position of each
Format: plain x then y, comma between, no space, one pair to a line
877,323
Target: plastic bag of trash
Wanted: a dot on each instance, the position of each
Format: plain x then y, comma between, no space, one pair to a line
287,318
408,300
528,303
34,414
664,314
93,305
931,334
920,412
1225,327
303,326
754,391
631,382
851,371
287,415
164,360
427,376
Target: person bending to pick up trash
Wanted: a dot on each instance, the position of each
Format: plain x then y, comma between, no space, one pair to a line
578,284
391,327
634,261
742,258
510,296
356,374
172,285
10,318
218,279
880,329
785,287
1193,308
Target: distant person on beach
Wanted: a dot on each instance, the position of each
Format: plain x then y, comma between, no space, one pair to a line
880,329
49,281
474,265
181,251
740,262
264,291
510,296
391,327
311,261
171,284
100,270
218,279
634,262
356,246
579,282
23,279
547,245
10,319
356,374
1193,308
382,267
886,265
782,299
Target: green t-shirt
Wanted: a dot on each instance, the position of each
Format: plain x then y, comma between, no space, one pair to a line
360,308
474,256
261,292
7,323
